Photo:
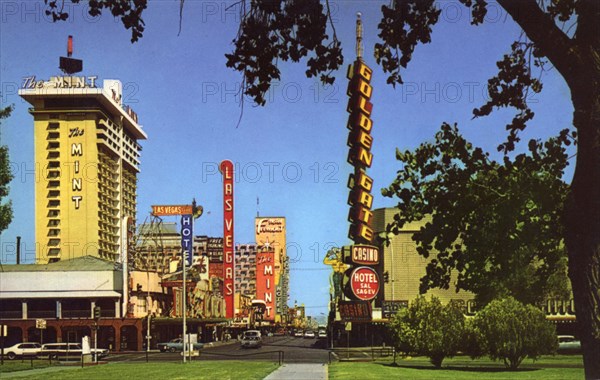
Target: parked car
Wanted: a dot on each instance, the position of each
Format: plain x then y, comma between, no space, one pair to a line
299,334
60,350
251,338
25,349
568,344
175,345
64,350
322,334
101,352
309,334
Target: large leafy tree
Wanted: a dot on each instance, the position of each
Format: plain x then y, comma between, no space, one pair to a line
575,55
572,51
497,224
5,177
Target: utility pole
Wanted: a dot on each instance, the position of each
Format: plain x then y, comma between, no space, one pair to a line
97,312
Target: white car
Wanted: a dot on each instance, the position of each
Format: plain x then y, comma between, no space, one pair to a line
22,350
251,338
568,344
62,350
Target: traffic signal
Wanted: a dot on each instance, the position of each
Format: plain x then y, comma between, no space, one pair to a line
96,312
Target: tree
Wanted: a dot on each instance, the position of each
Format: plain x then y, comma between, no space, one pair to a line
270,31
575,56
573,52
511,331
429,328
5,178
498,225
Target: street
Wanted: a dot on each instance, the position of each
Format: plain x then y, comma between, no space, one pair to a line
294,350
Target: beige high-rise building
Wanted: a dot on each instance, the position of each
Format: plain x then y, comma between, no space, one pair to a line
405,267
87,159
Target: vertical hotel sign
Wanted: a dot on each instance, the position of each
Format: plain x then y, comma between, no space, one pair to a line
363,281
360,157
265,283
187,234
226,169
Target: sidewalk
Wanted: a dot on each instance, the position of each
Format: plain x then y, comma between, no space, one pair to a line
300,372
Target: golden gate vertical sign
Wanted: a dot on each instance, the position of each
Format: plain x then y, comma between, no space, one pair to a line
226,168
360,142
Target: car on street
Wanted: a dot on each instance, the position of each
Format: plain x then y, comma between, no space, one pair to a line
280,332
251,338
175,345
567,344
309,334
22,350
299,334
322,334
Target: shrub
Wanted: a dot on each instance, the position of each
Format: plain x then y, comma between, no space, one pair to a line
429,328
512,331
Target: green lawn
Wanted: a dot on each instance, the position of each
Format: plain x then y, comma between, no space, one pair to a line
163,371
549,367
18,365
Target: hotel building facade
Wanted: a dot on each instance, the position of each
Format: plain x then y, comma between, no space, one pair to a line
87,161
270,235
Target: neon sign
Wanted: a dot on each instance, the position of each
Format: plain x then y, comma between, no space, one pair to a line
226,168
360,157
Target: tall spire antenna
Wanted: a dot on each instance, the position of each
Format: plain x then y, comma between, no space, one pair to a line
359,47
68,64
70,46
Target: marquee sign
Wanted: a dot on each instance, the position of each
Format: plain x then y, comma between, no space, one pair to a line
364,283
226,169
355,311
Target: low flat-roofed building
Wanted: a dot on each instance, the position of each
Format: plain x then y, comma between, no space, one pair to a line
63,295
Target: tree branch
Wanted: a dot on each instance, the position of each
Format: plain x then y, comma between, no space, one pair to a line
547,36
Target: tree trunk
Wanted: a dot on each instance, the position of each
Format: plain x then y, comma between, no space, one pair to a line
582,212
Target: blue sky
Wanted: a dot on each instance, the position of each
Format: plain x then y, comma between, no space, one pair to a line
291,153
